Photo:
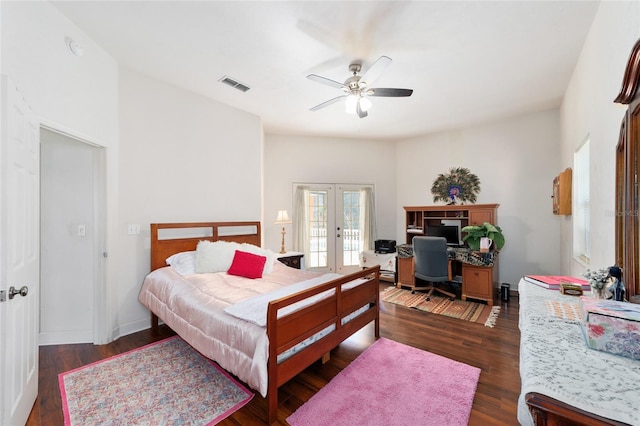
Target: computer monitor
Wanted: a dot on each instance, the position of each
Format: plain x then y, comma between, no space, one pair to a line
447,231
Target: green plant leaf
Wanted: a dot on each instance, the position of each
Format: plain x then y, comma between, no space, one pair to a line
476,232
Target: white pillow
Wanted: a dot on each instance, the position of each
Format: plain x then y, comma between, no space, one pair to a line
215,256
270,255
183,263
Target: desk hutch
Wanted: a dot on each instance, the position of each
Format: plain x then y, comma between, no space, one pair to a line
478,282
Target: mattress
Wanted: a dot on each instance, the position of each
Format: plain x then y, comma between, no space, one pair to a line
193,306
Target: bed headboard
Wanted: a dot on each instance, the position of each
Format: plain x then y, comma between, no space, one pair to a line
172,238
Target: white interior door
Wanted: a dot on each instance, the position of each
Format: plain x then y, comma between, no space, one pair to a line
19,256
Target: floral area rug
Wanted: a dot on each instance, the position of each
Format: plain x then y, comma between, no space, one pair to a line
459,309
167,382
394,384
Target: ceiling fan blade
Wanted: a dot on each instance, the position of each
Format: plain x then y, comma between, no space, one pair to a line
361,113
324,80
392,93
376,70
327,103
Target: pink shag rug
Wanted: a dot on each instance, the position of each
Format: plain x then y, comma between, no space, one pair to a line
394,384
164,383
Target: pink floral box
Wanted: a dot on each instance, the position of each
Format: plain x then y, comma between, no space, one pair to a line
611,326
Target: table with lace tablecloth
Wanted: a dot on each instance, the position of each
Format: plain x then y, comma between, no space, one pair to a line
387,262
556,362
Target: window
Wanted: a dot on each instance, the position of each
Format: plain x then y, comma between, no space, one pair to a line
581,207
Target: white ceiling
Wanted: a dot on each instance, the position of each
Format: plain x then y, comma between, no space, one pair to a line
467,62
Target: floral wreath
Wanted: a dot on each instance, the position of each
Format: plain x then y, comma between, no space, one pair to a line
457,186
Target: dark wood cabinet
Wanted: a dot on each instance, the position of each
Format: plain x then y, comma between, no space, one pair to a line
405,272
480,282
627,219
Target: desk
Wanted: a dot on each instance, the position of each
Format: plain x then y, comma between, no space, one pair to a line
479,271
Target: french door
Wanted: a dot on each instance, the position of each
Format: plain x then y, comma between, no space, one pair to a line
336,222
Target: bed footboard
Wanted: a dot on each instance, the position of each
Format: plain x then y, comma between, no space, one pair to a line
329,313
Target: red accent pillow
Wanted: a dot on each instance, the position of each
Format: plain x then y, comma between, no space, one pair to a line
247,265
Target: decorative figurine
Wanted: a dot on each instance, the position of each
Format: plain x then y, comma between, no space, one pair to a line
616,290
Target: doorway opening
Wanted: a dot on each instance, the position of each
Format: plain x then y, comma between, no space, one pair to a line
72,228
333,224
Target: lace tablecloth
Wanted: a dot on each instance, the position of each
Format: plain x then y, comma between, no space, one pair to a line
555,361
387,261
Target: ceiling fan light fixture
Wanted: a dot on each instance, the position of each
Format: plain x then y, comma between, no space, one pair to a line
365,104
350,104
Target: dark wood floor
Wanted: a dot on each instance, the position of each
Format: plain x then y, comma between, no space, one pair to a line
494,350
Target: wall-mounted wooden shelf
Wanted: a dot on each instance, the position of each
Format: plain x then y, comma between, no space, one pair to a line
562,193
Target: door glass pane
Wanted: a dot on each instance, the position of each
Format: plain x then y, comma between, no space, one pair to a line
318,227
351,228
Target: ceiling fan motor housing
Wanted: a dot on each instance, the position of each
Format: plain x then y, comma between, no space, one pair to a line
352,83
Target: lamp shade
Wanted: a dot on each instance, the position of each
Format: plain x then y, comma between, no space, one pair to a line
283,217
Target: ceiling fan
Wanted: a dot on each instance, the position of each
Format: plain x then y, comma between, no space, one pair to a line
358,87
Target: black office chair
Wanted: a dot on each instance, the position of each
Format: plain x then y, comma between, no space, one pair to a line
431,263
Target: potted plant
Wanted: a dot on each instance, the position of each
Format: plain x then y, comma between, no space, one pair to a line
474,233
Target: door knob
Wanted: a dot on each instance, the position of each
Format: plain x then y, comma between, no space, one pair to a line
22,292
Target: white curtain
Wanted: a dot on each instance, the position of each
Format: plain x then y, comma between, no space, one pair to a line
368,227
300,221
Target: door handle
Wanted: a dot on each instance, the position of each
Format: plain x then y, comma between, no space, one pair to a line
22,292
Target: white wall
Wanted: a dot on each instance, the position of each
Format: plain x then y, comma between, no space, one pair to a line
516,160
182,158
308,159
588,110
65,90
72,94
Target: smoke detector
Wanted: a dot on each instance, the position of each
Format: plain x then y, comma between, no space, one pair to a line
74,47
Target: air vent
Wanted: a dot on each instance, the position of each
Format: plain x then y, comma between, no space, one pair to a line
234,83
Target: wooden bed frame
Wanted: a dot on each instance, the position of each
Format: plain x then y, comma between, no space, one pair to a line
289,330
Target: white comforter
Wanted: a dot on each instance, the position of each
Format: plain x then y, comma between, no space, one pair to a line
193,306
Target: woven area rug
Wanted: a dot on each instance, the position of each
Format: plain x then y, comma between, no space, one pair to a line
394,384
459,309
167,382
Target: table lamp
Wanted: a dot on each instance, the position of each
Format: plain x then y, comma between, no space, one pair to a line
283,217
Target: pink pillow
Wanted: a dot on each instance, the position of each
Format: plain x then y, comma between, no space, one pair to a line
247,265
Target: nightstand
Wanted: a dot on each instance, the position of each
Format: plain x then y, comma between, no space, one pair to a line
292,259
